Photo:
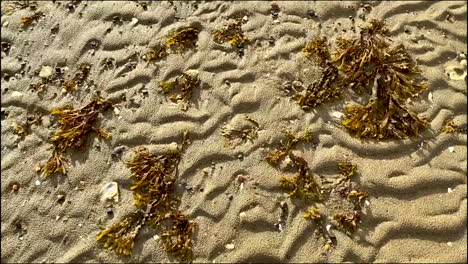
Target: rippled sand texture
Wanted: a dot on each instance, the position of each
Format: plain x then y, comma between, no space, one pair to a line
417,192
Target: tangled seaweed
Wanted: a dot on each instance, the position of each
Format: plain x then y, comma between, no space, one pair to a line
369,65
154,184
75,126
328,195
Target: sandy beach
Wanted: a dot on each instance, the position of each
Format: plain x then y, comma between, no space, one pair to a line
416,204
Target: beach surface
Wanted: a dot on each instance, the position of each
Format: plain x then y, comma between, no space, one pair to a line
417,187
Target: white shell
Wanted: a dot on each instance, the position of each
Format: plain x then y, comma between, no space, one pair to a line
46,71
110,191
230,246
451,149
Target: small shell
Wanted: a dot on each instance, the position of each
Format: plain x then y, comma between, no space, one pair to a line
110,191
230,246
46,71
451,149
16,94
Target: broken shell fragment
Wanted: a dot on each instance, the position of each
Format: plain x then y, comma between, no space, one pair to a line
110,191
46,72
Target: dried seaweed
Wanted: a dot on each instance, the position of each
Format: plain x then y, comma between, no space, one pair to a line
237,136
154,184
27,21
75,126
342,203
451,128
382,119
23,128
184,84
233,34
317,49
386,72
371,65
179,41
78,79
320,92
182,39
312,213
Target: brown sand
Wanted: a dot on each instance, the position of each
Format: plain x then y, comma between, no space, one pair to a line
412,217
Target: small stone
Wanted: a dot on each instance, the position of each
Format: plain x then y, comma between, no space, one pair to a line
230,197
134,21
60,198
16,94
449,190
156,237
311,13
449,244
240,157
109,211
276,21
241,178
57,217
297,84
38,182
430,97
451,149
242,215
230,246
283,205
80,225
245,18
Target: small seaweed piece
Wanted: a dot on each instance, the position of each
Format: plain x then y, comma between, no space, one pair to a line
245,134
320,92
451,128
347,222
302,185
55,164
317,49
312,213
156,54
26,21
177,238
23,128
182,39
233,34
347,169
154,177
185,83
120,236
80,77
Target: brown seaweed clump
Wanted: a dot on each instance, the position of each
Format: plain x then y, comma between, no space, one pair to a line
178,42
75,126
369,65
155,179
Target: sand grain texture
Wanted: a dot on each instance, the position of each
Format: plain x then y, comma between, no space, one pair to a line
411,218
